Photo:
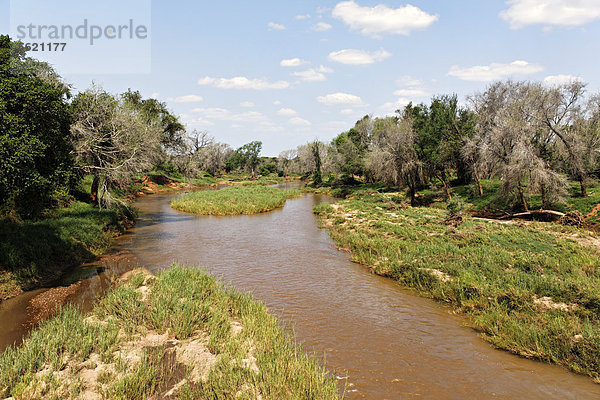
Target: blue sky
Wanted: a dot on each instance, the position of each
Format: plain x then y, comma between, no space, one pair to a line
344,59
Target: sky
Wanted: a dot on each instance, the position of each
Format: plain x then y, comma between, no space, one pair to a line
288,72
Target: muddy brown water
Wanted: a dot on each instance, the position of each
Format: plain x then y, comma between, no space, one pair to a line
383,342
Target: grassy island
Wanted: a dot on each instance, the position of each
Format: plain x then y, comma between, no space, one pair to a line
249,199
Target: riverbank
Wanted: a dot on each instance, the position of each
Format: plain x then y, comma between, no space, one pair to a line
179,334
35,253
530,288
243,200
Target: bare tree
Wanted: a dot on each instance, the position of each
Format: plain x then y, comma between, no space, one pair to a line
393,158
112,141
512,142
198,140
559,109
285,158
213,157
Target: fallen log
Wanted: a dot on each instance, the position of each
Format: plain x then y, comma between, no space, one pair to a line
548,214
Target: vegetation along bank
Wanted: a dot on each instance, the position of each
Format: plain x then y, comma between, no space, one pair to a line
532,288
180,335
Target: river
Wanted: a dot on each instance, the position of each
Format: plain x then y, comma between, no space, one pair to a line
382,341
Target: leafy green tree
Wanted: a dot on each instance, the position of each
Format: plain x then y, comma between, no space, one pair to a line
250,155
442,128
315,148
35,152
173,130
350,147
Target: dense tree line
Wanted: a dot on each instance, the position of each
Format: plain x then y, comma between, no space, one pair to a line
533,138
50,139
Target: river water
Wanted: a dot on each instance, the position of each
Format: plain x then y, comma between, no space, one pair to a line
383,342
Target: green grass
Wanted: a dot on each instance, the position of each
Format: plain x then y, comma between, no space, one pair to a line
245,351
491,271
33,252
492,199
248,199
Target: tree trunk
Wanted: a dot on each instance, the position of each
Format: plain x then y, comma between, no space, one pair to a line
583,187
94,191
478,179
412,191
544,197
522,196
446,187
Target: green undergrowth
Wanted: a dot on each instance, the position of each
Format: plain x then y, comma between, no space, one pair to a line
492,201
179,335
33,252
531,288
249,199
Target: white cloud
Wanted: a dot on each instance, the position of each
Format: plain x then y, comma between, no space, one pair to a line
408,81
555,80
189,98
321,27
358,57
411,92
310,75
373,21
301,17
569,13
247,104
275,27
391,107
346,111
249,117
199,122
494,71
313,74
213,112
276,102
292,62
299,121
241,82
287,112
340,99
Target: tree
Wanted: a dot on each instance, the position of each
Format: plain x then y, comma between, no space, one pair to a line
213,157
173,131
249,155
113,140
35,159
515,145
442,128
284,160
559,109
315,148
393,157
